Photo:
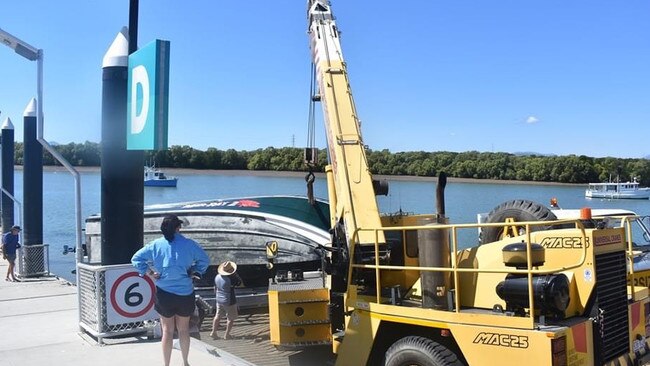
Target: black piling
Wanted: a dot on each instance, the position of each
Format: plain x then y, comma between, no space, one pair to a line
6,201
134,10
122,180
32,232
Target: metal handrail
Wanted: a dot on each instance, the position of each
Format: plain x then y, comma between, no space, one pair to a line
626,223
20,207
455,270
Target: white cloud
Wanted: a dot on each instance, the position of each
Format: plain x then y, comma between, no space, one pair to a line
532,120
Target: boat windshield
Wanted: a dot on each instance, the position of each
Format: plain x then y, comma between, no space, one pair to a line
640,226
642,235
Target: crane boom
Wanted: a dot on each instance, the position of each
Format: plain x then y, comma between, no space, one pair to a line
354,197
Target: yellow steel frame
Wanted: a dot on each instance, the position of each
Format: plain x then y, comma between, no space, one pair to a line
372,311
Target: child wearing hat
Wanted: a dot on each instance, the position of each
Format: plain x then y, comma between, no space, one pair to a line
224,283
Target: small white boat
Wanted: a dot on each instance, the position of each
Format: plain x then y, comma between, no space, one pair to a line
630,190
154,177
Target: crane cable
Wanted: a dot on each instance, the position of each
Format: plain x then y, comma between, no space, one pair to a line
311,138
311,130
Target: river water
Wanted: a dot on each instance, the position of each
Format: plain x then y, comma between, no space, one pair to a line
463,200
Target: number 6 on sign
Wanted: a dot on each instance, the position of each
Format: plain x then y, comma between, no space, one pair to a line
130,298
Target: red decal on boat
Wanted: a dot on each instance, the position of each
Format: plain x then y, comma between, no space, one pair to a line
248,203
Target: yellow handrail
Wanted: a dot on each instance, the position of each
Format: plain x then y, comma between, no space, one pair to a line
455,270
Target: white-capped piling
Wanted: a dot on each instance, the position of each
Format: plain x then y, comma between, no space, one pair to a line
32,179
6,199
122,180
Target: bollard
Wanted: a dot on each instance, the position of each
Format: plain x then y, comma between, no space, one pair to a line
122,171
32,234
6,199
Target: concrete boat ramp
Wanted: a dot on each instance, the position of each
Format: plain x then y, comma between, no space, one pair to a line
39,324
250,341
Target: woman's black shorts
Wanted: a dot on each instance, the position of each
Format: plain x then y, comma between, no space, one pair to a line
168,304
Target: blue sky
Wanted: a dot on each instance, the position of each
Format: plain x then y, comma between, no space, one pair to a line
552,77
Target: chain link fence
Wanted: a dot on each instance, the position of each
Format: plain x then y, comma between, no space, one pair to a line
33,260
93,299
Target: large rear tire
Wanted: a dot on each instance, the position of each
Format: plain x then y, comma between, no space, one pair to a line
420,351
519,210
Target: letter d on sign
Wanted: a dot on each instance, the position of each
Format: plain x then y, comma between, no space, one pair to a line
147,97
139,77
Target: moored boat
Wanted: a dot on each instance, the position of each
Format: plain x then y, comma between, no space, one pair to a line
618,190
154,177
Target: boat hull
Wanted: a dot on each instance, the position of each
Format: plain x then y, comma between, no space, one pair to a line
153,177
641,194
161,182
238,230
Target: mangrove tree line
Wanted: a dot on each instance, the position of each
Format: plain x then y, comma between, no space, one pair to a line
470,164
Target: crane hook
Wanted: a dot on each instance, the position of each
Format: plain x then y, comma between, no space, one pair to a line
310,178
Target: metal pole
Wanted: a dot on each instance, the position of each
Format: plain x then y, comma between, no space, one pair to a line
136,190
20,207
58,156
134,6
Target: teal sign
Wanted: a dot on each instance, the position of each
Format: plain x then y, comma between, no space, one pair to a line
148,97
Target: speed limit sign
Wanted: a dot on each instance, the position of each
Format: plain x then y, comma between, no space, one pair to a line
130,298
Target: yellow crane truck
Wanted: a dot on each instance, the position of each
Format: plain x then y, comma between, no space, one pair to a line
400,290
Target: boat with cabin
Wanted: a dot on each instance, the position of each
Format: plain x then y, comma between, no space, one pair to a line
618,190
154,177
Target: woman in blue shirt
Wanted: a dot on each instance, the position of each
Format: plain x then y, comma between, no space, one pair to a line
172,261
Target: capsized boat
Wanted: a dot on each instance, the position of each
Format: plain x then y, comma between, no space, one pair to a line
615,190
238,229
154,177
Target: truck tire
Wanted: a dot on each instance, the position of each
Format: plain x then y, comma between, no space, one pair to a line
420,351
519,210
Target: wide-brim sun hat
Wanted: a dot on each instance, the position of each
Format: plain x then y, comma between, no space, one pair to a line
227,268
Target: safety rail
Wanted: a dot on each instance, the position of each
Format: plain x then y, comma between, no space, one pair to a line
626,223
33,260
455,270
